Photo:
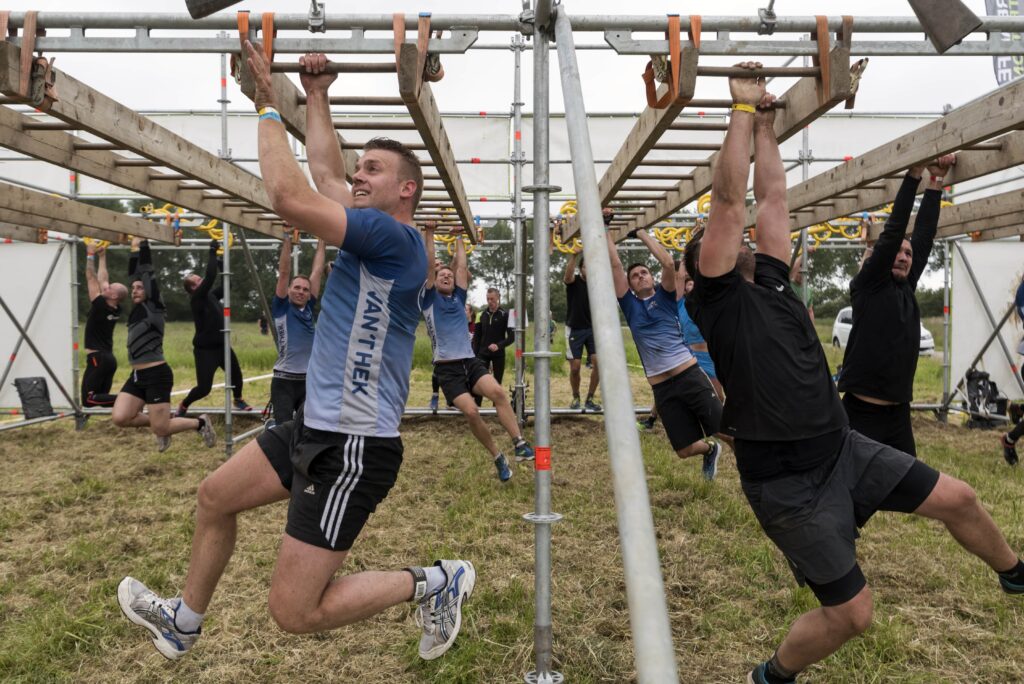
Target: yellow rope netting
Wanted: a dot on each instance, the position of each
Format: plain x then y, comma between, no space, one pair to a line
172,216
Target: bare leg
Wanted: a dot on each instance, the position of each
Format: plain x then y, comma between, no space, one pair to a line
162,425
818,633
488,387
465,403
696,449
957,506
127,411
304,598
574,377
594,376
243,482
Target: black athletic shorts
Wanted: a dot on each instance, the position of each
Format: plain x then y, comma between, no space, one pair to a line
580,339
812,516
688,406
153,385
336,480
286,396
889,424
459,377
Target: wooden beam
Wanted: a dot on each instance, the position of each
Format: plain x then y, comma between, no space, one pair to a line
42,222
95,112
419,100
32,203
60,148
12,232
982,119
1008,231
981,213
804,102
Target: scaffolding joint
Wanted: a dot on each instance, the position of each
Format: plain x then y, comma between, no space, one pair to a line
767,17
534,189
542,518
317,17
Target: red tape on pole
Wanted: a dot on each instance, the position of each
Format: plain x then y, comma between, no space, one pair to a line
543,457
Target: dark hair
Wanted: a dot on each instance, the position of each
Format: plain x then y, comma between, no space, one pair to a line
635,265
691,256
186,283
303,277
494,290
410,166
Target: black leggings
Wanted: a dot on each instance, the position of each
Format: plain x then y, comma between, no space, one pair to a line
100,367
207,363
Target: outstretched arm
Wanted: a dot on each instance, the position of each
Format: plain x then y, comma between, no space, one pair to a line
570,267
927,222
680,280
210,276
618,273
284,267
326,161
668,268
878,265
317,274
90,273
428,242
770,185
286,186
724,233
460,265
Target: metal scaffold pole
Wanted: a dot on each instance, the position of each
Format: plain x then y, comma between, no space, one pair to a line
945,329
226,275
73,258
542,517
648,612
519,232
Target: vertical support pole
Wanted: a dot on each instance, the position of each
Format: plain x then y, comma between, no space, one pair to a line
73,265
805,170
226,275
648,612
946,369
519,232
542,517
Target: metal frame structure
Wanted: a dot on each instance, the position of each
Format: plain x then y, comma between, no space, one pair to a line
165,166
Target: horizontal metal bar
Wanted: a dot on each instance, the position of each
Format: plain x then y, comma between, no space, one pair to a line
697,147
11,425
361,101
780,72
339,68
374,125
661,176
675,162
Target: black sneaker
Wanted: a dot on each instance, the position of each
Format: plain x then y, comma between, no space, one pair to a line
1011,587
1009,450
759,676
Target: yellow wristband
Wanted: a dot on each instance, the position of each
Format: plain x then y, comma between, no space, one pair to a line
264,110
743,108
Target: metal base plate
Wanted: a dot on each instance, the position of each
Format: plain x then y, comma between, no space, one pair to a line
551,677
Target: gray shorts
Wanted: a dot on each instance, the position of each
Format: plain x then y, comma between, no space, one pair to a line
813,516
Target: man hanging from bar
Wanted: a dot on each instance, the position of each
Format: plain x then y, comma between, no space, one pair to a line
810,480
208,341
461,374
340,457
1008,440
685,400
885,340
105,300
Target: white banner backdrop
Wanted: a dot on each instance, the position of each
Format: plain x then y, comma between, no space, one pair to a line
998,266
24,269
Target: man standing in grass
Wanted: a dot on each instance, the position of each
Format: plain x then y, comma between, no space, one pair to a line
459,371
340,459
810,480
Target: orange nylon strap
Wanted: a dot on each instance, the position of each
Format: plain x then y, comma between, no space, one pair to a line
422,42
269,33
398,28
821,35
695,30
845,35
674,48
243,29
28,47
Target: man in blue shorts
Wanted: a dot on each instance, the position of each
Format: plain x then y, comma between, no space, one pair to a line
459,371
810,480
581,335
293,309
338,460
686,402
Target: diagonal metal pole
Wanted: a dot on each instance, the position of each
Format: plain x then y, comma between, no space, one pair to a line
988,312
35,350
948,399
259,285
32,313
648,612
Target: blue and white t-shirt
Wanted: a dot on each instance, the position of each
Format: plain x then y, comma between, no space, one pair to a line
295,328
654,323
691,333
445,316
358,378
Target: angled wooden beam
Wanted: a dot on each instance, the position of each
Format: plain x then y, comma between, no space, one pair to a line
32,203
990,116
999,233
419,100
996,211
61,149
95,112
44,223
12,232
805,101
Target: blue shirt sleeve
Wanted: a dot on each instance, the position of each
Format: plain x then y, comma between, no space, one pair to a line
669,298
387,246
279,306
460,296
427,295
628,303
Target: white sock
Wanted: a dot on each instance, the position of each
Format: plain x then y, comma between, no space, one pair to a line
186,619
436,579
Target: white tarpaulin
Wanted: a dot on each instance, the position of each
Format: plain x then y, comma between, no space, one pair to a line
998,266
24,269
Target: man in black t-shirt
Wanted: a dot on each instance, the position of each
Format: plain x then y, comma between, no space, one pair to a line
577,319
810,480
105,300
885,340
492,335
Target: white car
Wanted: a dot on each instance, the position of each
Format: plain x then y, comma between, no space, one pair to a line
844,321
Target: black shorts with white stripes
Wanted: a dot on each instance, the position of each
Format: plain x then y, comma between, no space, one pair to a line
336,480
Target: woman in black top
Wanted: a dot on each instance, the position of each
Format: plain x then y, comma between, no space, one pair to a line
152,379
105,300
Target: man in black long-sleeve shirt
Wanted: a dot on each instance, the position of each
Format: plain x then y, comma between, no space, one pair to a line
492,335
208,342
881,357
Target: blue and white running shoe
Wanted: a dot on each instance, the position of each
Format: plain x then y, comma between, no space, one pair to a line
501,465
146,609
440,616
710,467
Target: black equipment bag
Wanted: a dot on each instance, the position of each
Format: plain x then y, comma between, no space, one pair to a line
983,400
35,397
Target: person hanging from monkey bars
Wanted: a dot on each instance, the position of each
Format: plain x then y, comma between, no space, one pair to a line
152,379
208,341
105,300
810,480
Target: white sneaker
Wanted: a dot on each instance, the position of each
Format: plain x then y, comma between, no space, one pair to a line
440,616
207,431
146,609
163,443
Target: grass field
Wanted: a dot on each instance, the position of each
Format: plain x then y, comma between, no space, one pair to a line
80,510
